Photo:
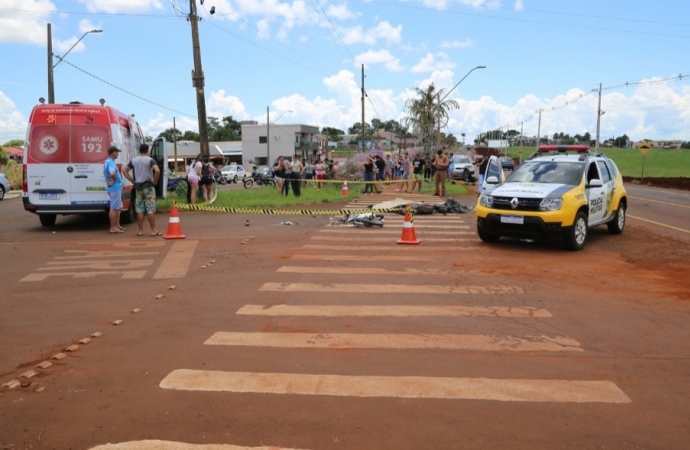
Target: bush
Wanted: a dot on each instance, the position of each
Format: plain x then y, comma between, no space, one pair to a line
13,171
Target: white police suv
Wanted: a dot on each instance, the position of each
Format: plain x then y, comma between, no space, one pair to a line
559,193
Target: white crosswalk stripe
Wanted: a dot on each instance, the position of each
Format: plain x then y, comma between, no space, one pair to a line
344,244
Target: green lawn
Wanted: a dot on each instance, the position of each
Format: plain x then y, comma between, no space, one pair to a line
661,163
260,197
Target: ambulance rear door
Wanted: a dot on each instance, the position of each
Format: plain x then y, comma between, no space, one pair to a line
90,139
159,153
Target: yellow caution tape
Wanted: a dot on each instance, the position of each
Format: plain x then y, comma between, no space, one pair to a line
285,212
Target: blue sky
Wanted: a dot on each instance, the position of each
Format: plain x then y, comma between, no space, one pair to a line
303,60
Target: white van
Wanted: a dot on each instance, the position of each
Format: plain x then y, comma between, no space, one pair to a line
66,146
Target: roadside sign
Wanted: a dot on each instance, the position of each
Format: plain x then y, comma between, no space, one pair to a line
644,148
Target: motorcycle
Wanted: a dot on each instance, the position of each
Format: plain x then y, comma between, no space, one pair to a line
468,175
219,178
173,182
365,220
260,179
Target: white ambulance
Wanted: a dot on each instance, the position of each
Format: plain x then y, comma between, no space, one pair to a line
66,146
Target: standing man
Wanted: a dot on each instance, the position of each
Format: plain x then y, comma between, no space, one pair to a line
380,174
441,163
418,167
114,181
451,167
297,171
146,175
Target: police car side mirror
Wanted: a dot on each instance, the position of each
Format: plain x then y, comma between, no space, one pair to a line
492,180
595,183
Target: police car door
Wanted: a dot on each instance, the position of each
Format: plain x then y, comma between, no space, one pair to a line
159,154
495,172
595,190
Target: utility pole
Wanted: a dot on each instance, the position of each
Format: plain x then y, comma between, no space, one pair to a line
539,130
521,149
51,86
175,142
363,123
599,114
198,79
268,138
438,123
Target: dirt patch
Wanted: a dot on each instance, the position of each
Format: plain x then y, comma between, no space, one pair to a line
682,183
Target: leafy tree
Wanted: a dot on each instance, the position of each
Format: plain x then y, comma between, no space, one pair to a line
228,130
357,129
334,134
171,134
190,136
621,141
427,112
463,137
14,143
587,137
3,157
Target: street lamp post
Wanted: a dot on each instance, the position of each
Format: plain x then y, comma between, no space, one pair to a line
51,66
438,138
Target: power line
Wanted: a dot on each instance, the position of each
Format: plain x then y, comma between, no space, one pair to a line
531,21
333,27
127,92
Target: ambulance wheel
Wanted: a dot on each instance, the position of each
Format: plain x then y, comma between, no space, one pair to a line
47,220
128,216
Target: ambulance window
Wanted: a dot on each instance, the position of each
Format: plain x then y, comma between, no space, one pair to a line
49,144
606,176
90,143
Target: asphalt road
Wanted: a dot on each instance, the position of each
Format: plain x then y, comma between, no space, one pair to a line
664,210
311,336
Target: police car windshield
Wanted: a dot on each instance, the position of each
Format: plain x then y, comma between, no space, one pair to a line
557,172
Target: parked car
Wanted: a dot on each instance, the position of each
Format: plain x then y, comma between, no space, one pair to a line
234,173
461,162
507,163
557,197
4,185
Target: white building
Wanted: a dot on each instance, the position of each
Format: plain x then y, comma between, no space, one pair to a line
262,143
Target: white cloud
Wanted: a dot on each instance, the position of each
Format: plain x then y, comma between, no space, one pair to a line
384,57
341,12
29,26
116,6
160,123
383,31
476,4
221,105
467,43
519,6
12,124
433,62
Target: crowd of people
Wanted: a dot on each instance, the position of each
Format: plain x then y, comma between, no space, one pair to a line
407,173
297,174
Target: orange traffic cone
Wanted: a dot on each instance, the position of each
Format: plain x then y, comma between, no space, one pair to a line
174,228
345,192
408,234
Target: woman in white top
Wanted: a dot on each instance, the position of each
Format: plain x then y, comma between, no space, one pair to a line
193,177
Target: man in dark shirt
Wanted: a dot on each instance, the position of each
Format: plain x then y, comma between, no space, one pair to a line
381,174
418,167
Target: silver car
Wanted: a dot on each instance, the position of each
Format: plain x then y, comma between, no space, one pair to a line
4,185
461,161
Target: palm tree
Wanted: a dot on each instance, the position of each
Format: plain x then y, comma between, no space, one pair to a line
428,112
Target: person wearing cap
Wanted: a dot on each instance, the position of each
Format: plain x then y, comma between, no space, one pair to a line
113,180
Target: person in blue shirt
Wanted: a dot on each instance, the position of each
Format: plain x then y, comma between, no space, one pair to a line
113,179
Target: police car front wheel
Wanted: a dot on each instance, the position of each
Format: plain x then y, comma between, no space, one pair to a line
577,235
